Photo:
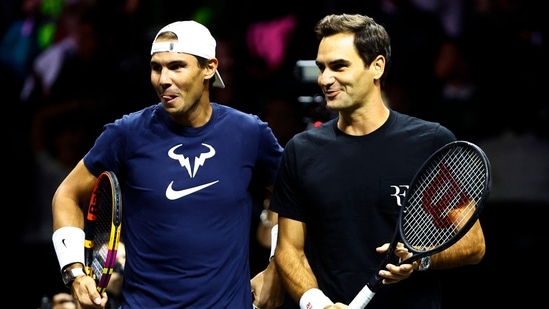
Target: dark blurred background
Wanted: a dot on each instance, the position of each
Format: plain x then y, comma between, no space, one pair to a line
70,66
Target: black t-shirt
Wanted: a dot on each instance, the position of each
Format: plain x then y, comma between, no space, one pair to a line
349,190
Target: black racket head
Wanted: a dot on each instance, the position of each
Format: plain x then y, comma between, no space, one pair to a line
445,198
103,223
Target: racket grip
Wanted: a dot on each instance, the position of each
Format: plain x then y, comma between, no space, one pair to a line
362,299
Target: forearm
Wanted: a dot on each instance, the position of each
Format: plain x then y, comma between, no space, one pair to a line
68,216
468,250
68,200
296,272
267,288
67,212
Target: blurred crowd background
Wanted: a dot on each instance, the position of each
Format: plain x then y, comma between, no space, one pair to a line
476,66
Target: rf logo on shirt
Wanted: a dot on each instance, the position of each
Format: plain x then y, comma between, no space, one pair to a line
400,193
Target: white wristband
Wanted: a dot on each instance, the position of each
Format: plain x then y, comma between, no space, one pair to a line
68,243
274,239
314,299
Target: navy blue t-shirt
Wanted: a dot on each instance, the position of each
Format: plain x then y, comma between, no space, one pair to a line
186,204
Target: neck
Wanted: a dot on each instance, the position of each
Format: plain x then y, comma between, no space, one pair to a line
364,120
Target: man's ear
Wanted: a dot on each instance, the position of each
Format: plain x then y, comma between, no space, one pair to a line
378,66
212,67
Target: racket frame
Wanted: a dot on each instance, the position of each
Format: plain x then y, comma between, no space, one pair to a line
91,267
368,291
479,204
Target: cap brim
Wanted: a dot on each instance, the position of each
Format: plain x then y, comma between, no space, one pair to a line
218,81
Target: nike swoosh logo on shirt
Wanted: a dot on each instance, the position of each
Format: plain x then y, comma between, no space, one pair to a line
172,194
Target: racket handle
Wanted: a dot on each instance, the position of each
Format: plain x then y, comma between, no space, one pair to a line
362,299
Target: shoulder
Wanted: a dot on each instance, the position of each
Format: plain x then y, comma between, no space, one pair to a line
315,137
136,121
142,115
420,127
412,121
234,118
228,111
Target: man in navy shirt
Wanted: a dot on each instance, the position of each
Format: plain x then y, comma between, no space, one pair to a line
185,166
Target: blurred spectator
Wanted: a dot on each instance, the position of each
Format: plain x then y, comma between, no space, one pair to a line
519,154
520,165
416,35
127,33
448,12
284,115
20,43
458,101
268,40
73,67
500,32
60,300
60,136
229,62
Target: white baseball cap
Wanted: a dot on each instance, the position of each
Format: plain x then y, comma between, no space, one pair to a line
192,38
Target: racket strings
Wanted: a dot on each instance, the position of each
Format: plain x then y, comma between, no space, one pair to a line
102,228
443,198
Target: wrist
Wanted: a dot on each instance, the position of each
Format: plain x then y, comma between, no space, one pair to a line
68,243
70,274
314,299
424,263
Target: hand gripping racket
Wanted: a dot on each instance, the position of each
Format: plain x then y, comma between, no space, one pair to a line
102,229
444,200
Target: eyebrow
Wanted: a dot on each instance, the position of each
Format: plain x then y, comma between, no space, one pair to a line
339,61
172,62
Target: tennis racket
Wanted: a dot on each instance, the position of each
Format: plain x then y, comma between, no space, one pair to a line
444,200
102,229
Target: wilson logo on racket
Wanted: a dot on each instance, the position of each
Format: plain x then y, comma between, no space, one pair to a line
442,191
444,200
